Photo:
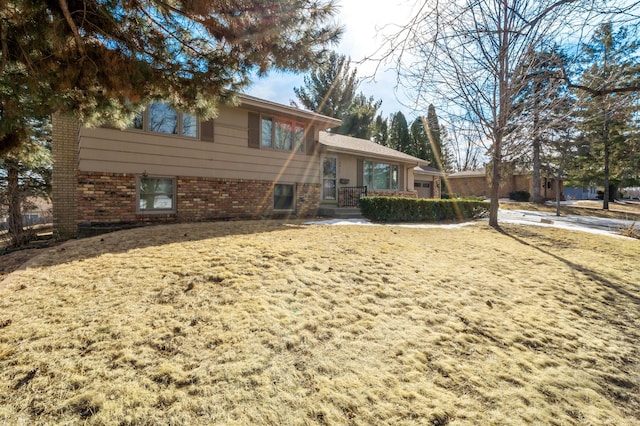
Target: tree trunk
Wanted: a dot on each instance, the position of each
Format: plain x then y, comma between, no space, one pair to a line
613,191
504,102
16,230
536,147
495,184
607,154
558,177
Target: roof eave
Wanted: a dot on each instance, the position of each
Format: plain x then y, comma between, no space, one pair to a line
261,105
429,173
373,155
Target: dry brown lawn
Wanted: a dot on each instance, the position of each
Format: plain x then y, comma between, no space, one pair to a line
245,323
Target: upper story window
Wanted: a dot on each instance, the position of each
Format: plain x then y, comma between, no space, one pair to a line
281,134
160,117
380,176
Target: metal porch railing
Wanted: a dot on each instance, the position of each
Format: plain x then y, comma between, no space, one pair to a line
349,196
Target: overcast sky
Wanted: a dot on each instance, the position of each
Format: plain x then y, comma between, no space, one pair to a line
364,22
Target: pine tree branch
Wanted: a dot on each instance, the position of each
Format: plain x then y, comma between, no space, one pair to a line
67,15
599,92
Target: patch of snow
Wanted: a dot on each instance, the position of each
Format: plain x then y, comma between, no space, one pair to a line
590,224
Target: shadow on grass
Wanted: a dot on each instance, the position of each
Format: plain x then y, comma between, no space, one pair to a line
154,235
594,275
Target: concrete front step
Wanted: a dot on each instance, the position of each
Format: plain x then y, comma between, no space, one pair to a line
340,212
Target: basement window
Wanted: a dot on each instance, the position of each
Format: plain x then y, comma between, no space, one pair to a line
283,196
156,194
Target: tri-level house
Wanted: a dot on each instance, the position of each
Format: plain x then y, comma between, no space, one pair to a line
255,160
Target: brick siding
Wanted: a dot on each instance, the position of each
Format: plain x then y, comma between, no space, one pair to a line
481,186
65,162
111,198
469,186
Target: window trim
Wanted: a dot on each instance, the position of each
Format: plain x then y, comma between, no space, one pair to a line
146,121
295,125
293,197
156,211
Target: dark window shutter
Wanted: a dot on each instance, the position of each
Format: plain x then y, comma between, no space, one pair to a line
401,186
207,130
254,130
309,142
360,172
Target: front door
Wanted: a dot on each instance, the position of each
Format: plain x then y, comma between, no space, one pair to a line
329,174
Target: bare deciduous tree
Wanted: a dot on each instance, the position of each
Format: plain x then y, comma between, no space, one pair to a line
466,52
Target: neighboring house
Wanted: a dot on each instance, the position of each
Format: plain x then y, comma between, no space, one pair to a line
468,183
427,181
35,211
259,159
478,183
580,192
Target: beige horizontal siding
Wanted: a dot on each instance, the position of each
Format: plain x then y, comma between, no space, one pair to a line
132,151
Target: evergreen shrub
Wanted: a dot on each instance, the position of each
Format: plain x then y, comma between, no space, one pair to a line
519,195
399,209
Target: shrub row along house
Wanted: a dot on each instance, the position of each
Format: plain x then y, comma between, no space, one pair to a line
259,159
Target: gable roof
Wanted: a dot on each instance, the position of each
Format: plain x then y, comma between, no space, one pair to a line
469,173
366,148
428,170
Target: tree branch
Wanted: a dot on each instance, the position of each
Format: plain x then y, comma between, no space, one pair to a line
67,15
599,92
550,8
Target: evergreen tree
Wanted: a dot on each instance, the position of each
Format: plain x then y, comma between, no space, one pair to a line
330,90
560,143
540,107
102,59
447,158
25,173
381,131
399,138
608,155
434,132
420,140
358,121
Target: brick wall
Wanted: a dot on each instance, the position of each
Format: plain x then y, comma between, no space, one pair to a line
470,185
65,162
111,198
107,198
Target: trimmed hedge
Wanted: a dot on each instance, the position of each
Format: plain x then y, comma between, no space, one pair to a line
399,209
519,196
